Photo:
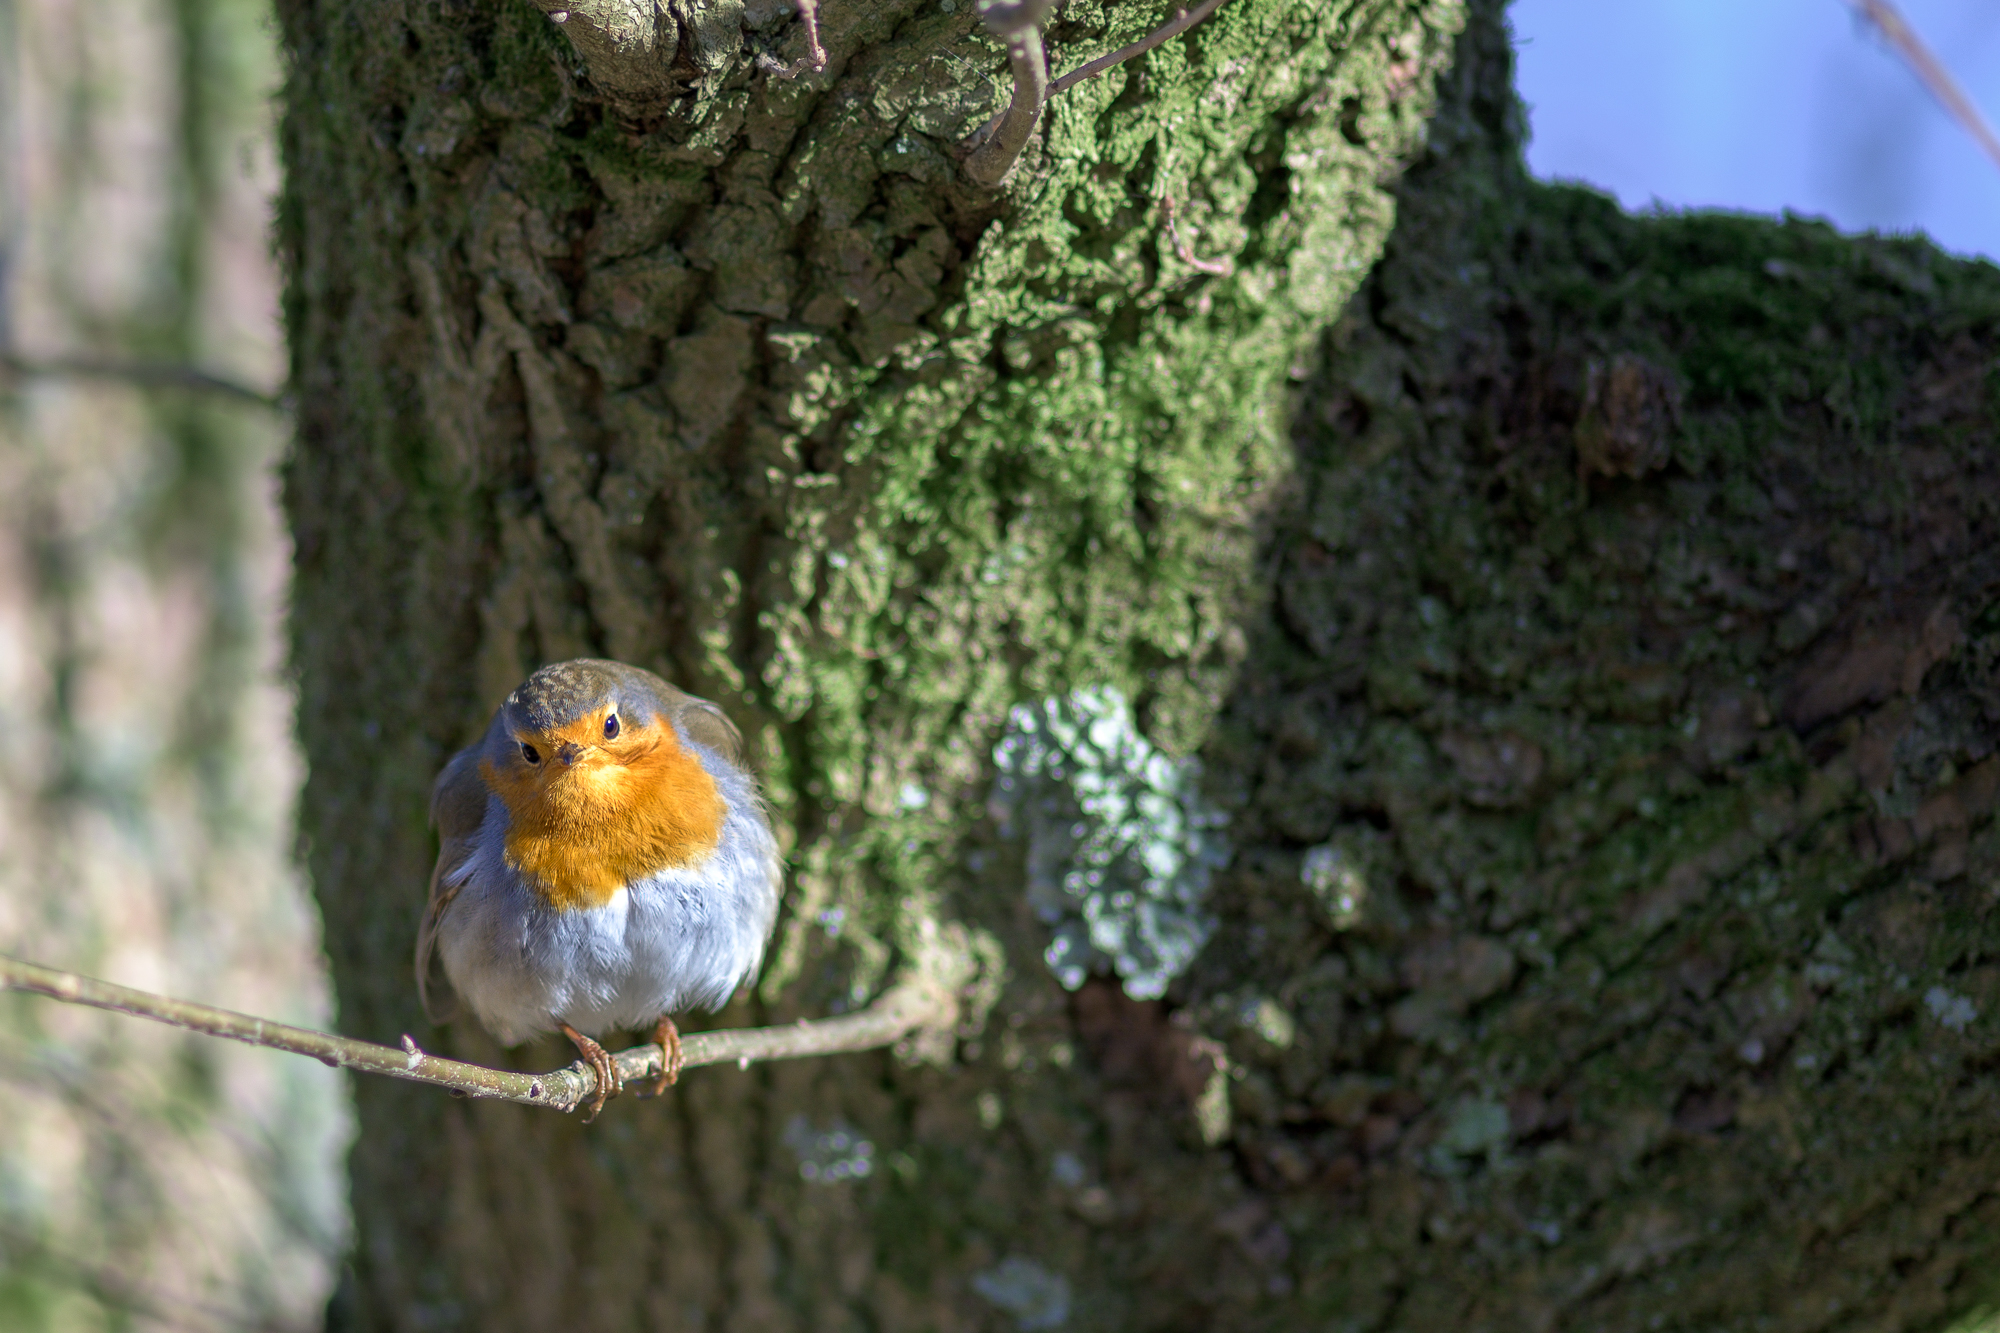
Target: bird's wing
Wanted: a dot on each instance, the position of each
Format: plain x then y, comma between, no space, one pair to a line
705,724
458,805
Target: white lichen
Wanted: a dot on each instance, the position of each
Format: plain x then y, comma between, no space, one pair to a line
1268,1019
1953,1011
1036,1297
1121,843
829,1156
1339,883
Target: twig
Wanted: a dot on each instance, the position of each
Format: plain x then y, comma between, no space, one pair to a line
1018,23
1182,20
815,57
1221,268
151,374
1931,71
1000,140
922,1003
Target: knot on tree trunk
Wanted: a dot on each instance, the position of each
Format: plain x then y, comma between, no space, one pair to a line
642,54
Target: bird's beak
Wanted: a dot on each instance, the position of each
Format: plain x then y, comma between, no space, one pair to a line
569,752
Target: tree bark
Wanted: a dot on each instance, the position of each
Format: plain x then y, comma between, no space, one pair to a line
1599,685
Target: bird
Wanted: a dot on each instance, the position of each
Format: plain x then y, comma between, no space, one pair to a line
605,861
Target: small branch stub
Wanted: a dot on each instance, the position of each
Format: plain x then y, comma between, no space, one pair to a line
1221,268
815,57
920,1004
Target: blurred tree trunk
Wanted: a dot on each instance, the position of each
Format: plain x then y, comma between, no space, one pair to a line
1597,687
147,769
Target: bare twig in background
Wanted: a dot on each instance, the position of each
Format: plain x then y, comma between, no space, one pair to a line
1221,268
999,142
815,57
1182,20
147,374
921,1003
1931,71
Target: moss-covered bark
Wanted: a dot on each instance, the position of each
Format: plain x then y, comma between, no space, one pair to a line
758,392
1617,773
1600,719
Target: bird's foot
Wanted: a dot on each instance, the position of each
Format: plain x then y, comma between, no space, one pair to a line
609,1085
669,1038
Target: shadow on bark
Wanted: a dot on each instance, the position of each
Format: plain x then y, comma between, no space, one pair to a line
1618,777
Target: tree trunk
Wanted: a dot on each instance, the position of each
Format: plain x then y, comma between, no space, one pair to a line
1596,690
154,1179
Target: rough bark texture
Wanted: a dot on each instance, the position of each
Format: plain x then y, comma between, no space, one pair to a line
1598,688
1632,660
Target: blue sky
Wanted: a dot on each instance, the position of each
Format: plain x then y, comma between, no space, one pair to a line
1765,105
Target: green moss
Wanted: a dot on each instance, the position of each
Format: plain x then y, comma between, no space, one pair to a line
1746,1014
873,459
758,393
1049,483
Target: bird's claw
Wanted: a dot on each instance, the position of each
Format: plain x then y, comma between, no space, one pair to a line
609,1085
669,1038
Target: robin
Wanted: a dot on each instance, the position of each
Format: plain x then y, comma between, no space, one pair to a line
604,861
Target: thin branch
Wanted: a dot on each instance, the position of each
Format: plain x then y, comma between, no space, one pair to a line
921,1003
148,374
815,57
1182,20
1221,268
1931,71
1000,143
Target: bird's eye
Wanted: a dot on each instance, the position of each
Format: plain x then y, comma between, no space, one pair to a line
611,727
530,753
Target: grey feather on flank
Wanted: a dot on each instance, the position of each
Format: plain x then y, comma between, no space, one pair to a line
458,801
704,724
458,805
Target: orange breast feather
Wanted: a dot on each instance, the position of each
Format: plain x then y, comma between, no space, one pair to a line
625,810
